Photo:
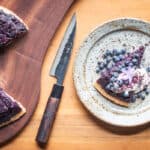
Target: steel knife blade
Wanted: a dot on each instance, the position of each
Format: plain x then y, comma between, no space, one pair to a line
60,63
58,70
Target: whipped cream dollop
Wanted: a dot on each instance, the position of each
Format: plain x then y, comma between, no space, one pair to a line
137,79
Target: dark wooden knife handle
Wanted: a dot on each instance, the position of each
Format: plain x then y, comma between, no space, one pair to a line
49,115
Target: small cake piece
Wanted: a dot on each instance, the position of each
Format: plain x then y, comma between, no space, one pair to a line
122,80
11,27
10,109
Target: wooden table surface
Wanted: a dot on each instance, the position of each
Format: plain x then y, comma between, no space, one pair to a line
75,128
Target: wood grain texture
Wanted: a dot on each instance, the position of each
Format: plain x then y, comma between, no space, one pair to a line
21,63
74,127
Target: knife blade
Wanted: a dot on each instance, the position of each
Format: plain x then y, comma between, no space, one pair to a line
58,70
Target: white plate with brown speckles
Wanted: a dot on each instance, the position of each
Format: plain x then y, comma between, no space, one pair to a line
120,33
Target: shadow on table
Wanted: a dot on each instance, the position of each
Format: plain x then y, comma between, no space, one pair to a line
117,129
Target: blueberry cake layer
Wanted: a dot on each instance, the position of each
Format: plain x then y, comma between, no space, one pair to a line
11,27
10,109
122,79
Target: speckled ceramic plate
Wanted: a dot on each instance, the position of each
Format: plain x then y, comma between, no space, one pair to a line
121,33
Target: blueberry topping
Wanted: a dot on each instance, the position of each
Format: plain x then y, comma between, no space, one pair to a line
136,55
121,57
115,74
126,82
134,61
99,63
116,59
126,94
142,96
116,86
108,59
112,79
123,51
109,66
139,95
108,86
108,52
146,91
97,70
115,62
127,63
101,66
148,69
120,82
114,52
131,64
118,52
133,99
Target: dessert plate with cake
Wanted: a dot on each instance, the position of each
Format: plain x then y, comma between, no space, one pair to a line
112,72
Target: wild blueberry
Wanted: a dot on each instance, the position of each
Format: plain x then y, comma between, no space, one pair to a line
108,86
142,96
104,56
105,63
125,94
131,64
123,65
111,84
114,52
118,52
136,55
127,63
148,69
99,63
139,95
146,91
112,79
133,99
123,51
128,53
120,82
108,53
101,66
97,70
119,69
116,59
109,66
134,61
121,57
116,86
108,59
116,74
126,82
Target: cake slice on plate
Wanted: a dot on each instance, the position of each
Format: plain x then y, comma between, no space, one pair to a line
122,80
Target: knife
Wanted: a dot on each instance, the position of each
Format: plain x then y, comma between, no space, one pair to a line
58,70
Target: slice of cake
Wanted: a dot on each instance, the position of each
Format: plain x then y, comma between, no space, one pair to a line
11,27
10,109
122,80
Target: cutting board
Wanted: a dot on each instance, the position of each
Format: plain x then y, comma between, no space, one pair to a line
20,64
